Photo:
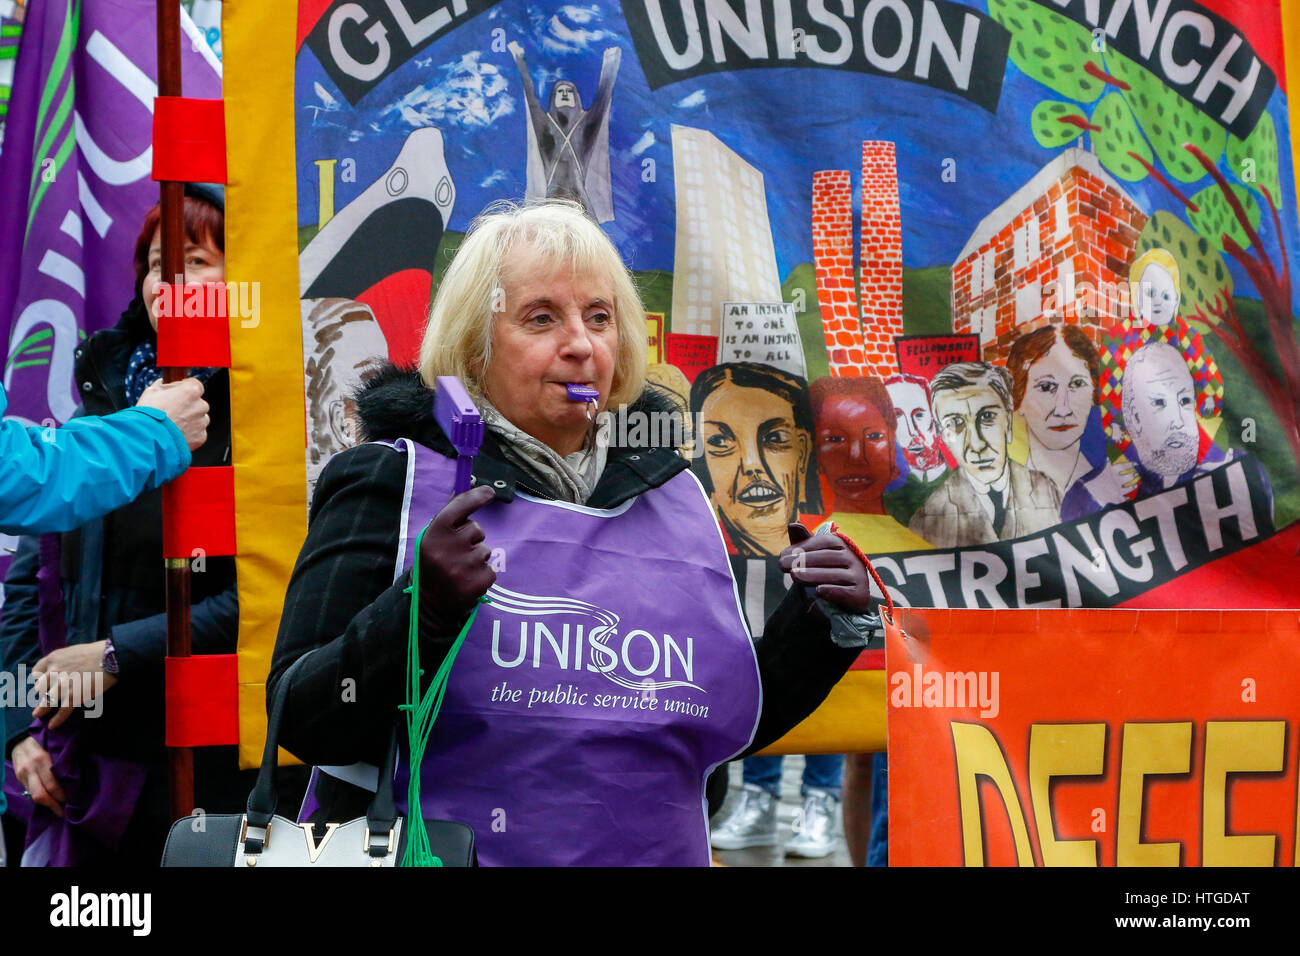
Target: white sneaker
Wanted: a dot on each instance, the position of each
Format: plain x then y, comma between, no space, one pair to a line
816,829
752,822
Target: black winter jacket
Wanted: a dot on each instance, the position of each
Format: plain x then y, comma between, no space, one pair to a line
343,604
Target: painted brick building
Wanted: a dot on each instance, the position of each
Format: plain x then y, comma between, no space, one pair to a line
1058,249
862,312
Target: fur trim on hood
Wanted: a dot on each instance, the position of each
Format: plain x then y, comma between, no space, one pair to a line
395,403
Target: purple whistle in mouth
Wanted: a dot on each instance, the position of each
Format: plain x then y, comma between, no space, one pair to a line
581,393
461,423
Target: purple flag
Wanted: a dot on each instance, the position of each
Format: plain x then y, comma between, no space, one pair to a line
75,183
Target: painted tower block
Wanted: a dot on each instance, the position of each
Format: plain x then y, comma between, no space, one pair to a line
862,309
724,250
832,233
880,287
1058,250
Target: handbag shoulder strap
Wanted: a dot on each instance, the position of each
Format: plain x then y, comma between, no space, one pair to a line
261,802
381,815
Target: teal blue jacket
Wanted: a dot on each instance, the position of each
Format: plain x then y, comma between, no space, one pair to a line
57,479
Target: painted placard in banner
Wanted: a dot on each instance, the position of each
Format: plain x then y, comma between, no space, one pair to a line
1124,738
924,355
691,353
654,333
763,332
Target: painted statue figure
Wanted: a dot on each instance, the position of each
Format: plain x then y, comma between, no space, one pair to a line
568,146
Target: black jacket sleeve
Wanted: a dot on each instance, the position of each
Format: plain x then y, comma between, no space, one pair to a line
343,606
141,645
19,640
798,664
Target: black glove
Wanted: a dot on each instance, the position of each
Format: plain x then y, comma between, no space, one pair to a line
454,569
828,569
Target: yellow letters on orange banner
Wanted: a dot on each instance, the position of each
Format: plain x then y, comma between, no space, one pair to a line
1237,746
978,753
1148,748
1060,750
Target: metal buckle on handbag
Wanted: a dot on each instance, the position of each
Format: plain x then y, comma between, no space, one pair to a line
264,839
369,845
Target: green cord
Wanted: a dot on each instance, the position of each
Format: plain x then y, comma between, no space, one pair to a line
421,712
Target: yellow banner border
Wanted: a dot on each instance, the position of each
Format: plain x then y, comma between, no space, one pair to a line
268,432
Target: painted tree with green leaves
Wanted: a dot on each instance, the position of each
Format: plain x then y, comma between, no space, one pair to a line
1139,127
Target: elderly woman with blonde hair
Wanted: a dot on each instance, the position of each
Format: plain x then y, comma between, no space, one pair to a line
610,669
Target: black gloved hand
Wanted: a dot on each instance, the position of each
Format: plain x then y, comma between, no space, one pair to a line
828,568
454,569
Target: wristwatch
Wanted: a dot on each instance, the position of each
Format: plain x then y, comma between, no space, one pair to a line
111,665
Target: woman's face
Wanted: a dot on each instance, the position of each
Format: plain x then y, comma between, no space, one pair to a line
1158,295
556,328
1058,398
855,450
757,460
204,262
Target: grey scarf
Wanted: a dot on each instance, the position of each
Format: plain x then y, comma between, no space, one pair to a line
572,477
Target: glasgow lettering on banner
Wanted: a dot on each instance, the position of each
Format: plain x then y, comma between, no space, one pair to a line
1195,52
359,42
1099,561
949,46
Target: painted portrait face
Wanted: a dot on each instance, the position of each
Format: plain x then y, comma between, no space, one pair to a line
1160,410
343,346
1158,302
566,95
757,460
673,381
915,427
855,450
975,426
360,352
1058,397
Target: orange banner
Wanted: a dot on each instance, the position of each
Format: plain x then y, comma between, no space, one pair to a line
1089,737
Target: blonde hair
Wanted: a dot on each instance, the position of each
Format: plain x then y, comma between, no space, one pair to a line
1152,257
458,338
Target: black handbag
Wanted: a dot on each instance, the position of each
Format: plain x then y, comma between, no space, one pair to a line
261,838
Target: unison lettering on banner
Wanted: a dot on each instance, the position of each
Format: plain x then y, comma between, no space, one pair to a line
949,46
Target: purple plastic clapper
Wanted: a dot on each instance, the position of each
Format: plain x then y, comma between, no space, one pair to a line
461,423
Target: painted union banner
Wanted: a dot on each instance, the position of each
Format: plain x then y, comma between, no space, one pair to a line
1002,288
1011,279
